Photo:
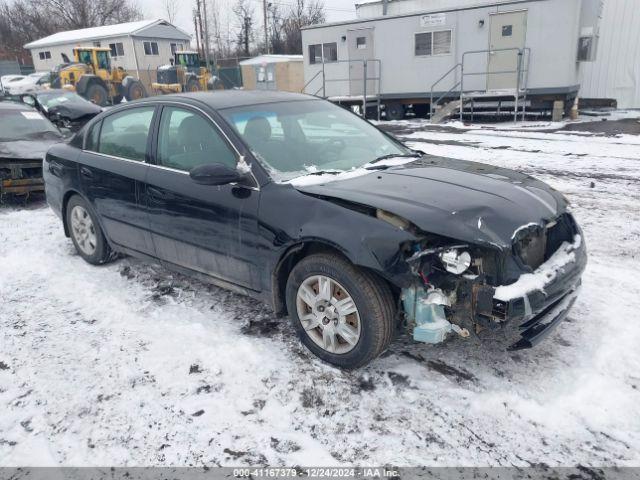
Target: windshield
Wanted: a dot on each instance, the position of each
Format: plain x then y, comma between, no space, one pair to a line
50,100
25,125
299,138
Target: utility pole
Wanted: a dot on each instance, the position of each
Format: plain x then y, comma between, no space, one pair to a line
206,33
199,9
195,25
266,28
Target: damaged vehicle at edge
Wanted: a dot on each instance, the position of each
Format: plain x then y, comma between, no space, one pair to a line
300,203
25,137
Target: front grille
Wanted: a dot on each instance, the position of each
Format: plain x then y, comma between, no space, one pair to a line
535,246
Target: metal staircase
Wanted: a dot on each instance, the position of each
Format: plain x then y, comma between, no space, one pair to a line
471,102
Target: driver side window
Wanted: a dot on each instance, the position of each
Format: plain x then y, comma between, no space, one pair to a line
187,140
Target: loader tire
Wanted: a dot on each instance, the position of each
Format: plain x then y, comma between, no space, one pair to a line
97,94
135,91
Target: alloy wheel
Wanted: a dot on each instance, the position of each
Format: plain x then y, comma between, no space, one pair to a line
328,314
83,230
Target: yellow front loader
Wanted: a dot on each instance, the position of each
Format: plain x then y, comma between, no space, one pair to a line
185,74
91,76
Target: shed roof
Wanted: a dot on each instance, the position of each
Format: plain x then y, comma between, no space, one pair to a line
105,31
259,60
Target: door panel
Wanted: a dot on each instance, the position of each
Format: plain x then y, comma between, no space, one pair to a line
209,229
113,184
507,30
361,47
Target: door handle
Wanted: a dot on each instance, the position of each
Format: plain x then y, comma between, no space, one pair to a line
160,194
85,172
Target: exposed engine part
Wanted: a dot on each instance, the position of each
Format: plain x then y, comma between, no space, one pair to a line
425,310
455,261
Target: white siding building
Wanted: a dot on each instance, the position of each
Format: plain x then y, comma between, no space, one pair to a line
137,47
616,70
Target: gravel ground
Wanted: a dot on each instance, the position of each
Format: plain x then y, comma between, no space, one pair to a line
130,365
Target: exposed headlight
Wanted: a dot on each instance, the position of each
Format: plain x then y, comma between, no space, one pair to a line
455,261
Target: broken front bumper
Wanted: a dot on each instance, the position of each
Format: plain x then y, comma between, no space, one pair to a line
20,177
523,320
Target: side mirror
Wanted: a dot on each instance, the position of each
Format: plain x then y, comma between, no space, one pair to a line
29,100
215,174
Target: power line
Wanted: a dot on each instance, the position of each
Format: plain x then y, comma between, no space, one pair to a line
333,9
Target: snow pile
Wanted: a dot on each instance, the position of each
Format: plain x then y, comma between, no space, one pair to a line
129,364
543,275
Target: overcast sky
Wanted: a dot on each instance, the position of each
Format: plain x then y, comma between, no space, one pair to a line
336,10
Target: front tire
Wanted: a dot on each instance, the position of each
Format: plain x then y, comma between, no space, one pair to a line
86,233
343,314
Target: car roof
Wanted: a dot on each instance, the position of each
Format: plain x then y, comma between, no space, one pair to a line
222,99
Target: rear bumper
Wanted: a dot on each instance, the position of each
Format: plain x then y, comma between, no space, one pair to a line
525,320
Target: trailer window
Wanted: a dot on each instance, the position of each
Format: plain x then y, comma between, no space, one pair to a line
330,52
361,43
423,44
433,43
315,54
442,42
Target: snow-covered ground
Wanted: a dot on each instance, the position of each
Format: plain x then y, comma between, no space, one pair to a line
129,364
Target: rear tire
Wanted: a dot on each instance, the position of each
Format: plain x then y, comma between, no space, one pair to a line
86,233
135,91
97,94
368,328
394,111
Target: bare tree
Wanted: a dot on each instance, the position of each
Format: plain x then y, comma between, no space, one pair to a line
301,14
244,12
171,10
22,21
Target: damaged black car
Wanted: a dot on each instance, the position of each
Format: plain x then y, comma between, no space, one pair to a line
25,137
63,108
300,203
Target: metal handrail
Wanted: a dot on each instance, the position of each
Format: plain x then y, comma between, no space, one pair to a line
431,104
519,71
365,79
312,79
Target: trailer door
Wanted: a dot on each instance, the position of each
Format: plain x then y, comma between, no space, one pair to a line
508,30
361,48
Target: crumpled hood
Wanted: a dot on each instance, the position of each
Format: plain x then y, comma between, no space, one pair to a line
27,149
466,201
75,110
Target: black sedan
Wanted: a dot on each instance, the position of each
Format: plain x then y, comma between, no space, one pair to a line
302,204
25,136
64,108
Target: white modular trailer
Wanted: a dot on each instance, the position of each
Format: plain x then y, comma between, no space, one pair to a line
407,53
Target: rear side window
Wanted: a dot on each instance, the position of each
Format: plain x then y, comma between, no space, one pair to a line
125,134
